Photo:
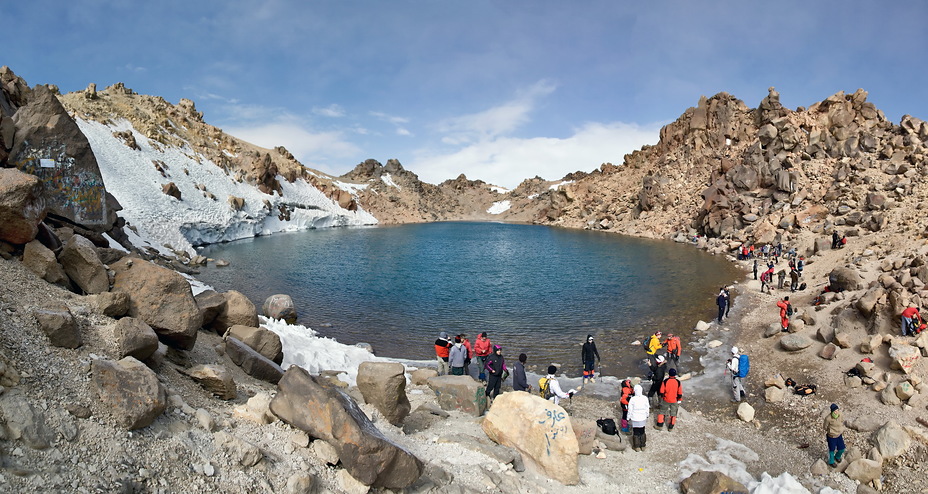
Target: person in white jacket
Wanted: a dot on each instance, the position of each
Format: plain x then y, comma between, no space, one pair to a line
556,392
638,410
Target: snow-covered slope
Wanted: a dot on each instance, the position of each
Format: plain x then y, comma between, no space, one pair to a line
204,214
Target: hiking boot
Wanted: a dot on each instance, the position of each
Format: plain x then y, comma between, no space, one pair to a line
585,380
592,380
669,427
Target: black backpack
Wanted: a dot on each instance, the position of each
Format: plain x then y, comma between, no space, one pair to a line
608,426
789,309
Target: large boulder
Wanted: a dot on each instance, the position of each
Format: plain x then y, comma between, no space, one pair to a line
892,440
42,261
21,420
82,264
280,307
111,304
460,393
795,342
59,325
383,384
843,278
215,379
160,297
585,430
211,303
327,413
238,310
705,482
253,363
129,391
903,356
262,340
864,471
538,429
22,206
134,338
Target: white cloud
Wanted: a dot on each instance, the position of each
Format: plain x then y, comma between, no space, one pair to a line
313,149
393,119
403,131
333,110
496,121
506,161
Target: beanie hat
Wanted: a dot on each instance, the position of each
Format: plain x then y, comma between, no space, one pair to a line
443,335
552,369
672,372
734,350
834,406
457,339
589,337
523,357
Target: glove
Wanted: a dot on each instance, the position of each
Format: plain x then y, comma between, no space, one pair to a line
570,395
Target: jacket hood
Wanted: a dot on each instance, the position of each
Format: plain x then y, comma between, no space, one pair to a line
637,390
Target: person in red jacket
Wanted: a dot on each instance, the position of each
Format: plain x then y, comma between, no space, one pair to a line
442,348
482,349
470,352
673,349
911,321
784,317
627,391
671,397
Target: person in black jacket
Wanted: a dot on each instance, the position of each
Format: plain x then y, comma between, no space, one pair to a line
519,381
589,355
722,301
495,367
657,376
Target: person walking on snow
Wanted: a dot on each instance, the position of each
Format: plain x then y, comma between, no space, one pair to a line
638,411
456,357
671,396
587,354
834,435
555,388
737,387
519,381
483,350
722,301
785,308
495,368
442,347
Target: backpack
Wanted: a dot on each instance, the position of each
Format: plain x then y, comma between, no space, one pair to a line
608,426
789,309
744,365
544,388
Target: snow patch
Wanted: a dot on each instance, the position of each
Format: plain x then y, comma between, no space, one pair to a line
387,179
555,186
499,190
499,207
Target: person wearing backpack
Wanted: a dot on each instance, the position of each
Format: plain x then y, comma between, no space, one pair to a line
738,365
654,344
673,349
671,394
482,349
550,389
786,310
638,411
588,353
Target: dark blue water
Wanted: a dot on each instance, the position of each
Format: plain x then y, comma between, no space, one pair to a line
534,289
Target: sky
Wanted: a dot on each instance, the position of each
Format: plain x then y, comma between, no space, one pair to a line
499,90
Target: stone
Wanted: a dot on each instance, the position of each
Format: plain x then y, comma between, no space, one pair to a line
422,376
867,369
329,414
350,485
772,330
129,391
745,412
776,380
59,326
170,189
216,379
383,384
888,396
842,278
864,470
280,307
539,430
704,482
502,454
795,342
460,393
42,261
110,304
237,311
205,419
904,391
325,452
80,261
160,297
796,325
22,206
261,340
301,483
242,452
903,356
828,351
23,421
826,333
843,339
210,303
819,468
892,440
253,363
774,394
9,376
257,409
585,430
702,326
134,338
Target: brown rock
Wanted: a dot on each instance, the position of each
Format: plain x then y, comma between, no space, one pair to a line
262,340
216,379
134,338
383,384
58,324
41,261
129,391
238,310
422,376
111,304
170,189
211,304
22,206
703,482
280,307
82,264
460,393
252,362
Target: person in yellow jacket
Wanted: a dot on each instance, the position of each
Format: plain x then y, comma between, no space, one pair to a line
654,344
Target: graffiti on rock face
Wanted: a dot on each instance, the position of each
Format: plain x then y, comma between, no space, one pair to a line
72,191
555,426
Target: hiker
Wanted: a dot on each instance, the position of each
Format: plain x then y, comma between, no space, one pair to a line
727,291
554,388
442,347
627,390
834,239
519,381
801,263
755,269
834,435
470,353
654,344
482,349
911,321
781,277
638,411
793,280
456,357
657,376
587,354
786,310
671,396
842,242
495,368
733,365
766,279
722,301
673,348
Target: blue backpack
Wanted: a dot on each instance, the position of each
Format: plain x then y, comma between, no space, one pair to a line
744,365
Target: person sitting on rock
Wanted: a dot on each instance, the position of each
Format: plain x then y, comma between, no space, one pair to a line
911,321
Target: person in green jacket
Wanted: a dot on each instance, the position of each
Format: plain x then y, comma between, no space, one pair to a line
834,434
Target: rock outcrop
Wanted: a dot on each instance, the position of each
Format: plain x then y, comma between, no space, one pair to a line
383,384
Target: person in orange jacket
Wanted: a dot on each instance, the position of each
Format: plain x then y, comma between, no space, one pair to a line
784,317
671,396
673,349
627,391
482,349
442,348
